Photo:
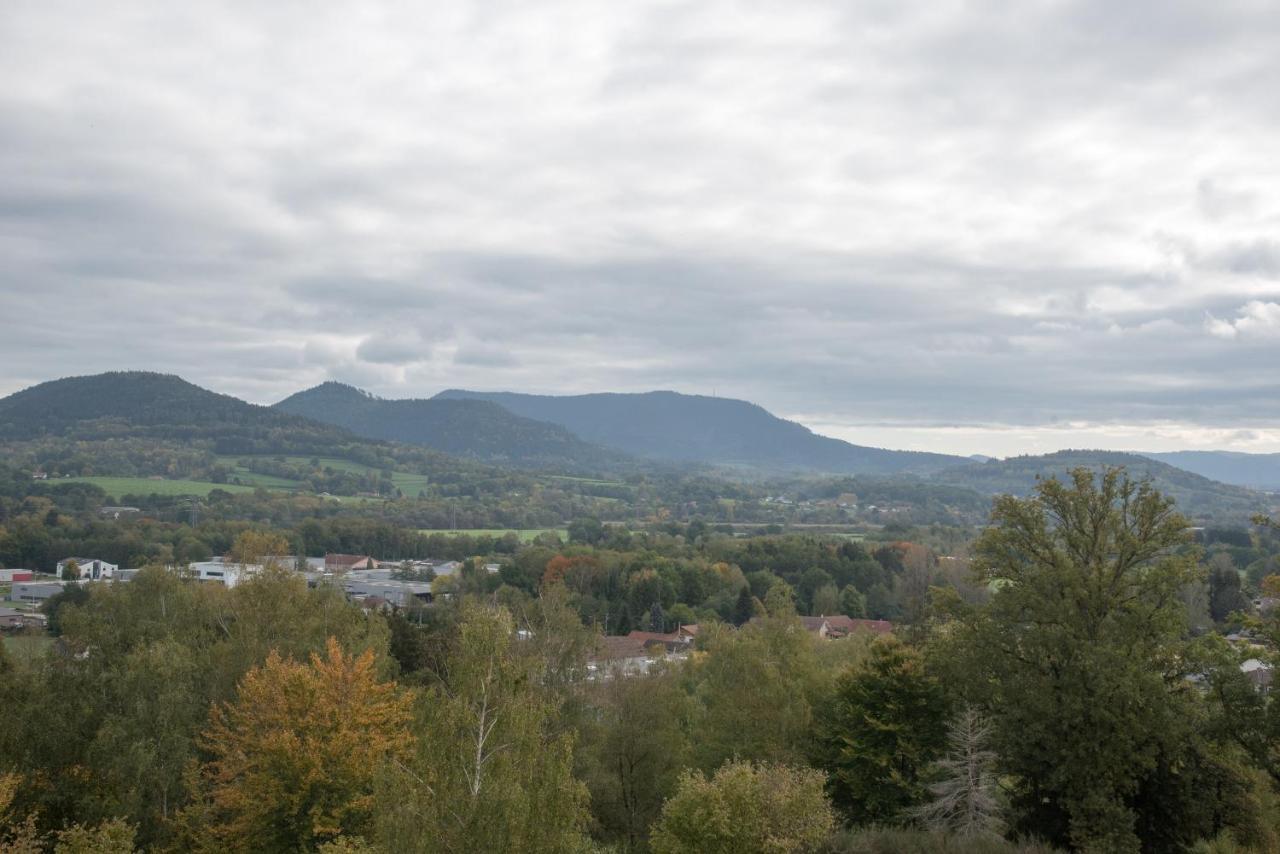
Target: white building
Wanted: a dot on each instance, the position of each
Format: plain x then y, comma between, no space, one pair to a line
228,574
91,569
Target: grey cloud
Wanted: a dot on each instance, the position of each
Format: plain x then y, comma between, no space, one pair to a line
484,355
393,349
879,212
1258,257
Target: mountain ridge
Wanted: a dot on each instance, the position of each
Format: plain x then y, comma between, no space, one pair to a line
115,403
684,428
1255,471
1196,495
464,428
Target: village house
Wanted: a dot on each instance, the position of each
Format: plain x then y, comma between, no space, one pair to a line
619,656
90,569
673,642
831,628
11,618
347,563
221,572
1258,672
839,626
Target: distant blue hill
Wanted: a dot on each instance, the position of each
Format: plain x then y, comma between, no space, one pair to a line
1259,471
666,425
474,429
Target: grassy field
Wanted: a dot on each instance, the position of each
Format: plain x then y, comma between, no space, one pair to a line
121,486
267,481
525,534
409,484
589,480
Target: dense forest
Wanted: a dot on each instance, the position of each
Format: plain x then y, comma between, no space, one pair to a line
169,715
474,429
666,425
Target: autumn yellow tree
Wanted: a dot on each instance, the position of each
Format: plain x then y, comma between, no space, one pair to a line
17,836
253,546
296,756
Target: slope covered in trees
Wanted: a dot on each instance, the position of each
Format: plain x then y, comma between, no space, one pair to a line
465,428
1197,497
140,403
695,428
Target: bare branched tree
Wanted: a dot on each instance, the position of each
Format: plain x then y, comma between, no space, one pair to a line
964,799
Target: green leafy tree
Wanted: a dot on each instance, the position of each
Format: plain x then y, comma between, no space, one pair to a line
754,691
1225,595
492,772
826,601
745,608
852,602
771,809
111,837
1079,658
885,727
634,749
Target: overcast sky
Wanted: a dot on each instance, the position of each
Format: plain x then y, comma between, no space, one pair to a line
967,227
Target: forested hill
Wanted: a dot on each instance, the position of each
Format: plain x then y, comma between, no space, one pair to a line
466,428
138,404
693,428
1197,496
1259,471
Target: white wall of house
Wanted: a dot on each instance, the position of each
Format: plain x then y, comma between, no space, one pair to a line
91,569
228,574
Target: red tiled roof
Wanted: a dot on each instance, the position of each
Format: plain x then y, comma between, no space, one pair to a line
612,647
849,625
655,637
344,560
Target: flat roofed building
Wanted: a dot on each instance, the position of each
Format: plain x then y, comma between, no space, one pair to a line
34,592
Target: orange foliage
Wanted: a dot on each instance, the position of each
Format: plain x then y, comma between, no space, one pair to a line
562,569
296,755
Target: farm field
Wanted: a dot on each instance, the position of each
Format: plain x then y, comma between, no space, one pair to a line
525,534
408,483
589,480
267,481
117,487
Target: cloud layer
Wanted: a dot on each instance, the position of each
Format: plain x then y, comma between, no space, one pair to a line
916,223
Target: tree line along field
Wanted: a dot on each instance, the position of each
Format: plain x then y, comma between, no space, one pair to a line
241,480
117,487
407,482
526,535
